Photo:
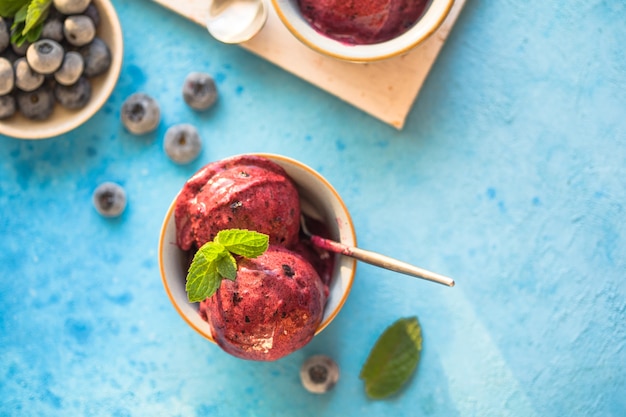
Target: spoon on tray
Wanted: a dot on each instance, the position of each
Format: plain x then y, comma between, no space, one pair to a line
236,21
373,258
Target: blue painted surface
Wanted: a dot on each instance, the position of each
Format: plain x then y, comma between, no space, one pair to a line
510,176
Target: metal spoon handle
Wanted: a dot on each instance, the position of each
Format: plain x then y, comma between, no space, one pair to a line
383,261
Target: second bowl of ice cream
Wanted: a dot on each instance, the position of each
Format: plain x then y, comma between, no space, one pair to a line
286,296
362,30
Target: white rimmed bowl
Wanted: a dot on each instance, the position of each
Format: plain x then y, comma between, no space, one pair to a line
434,15
318,199
63,120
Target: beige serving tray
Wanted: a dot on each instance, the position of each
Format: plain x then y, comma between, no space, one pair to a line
384,89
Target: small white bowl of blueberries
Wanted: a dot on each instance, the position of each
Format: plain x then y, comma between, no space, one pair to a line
58,66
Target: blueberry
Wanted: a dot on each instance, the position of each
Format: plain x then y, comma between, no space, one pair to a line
319,374
74,96
25,78
36,105
199,90
71,6
7,106
109,199
7,76
182,143
93,13
71,68
5,35
53,29
20,50
97,56
140,113
45,56
79,30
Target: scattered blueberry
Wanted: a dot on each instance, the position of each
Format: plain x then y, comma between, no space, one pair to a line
71,6
25,78
45,56
5,36
199,90
182,143
79,30
109,199
140,113
319,374
97,57
7,106
71,69
7,76
75,96
36,105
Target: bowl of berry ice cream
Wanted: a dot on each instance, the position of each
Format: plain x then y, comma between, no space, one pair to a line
52,82
362,30
276,301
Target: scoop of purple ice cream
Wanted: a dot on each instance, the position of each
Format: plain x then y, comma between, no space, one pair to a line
271,309
242,192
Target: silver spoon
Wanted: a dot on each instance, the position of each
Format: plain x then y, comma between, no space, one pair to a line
373,258
236,21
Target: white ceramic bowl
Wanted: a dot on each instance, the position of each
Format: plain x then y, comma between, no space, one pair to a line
434,15
318,198
63,120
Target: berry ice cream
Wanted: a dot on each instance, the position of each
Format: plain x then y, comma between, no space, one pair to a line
276,302
362,21
245,192
271,309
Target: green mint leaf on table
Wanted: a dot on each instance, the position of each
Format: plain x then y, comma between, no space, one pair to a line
214,261
393,358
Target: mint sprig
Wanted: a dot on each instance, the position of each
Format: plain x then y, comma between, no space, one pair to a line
214,261
28,18
393,359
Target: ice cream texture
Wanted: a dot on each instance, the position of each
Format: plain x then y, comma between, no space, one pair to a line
244,192
276,302
271,309
362,21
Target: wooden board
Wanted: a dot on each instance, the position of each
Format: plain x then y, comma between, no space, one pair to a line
384,89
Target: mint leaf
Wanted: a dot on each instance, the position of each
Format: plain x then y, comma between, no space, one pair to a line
227,266
214,261
35,15
8,8
203,279
243,242
393,358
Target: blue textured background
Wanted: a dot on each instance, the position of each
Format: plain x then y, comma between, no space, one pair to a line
510,176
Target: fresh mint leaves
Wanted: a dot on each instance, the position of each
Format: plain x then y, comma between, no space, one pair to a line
28,18
393,358
214,261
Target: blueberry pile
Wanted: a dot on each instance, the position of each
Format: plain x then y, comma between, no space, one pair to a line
56,68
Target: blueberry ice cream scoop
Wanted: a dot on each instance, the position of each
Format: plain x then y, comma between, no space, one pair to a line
45,56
